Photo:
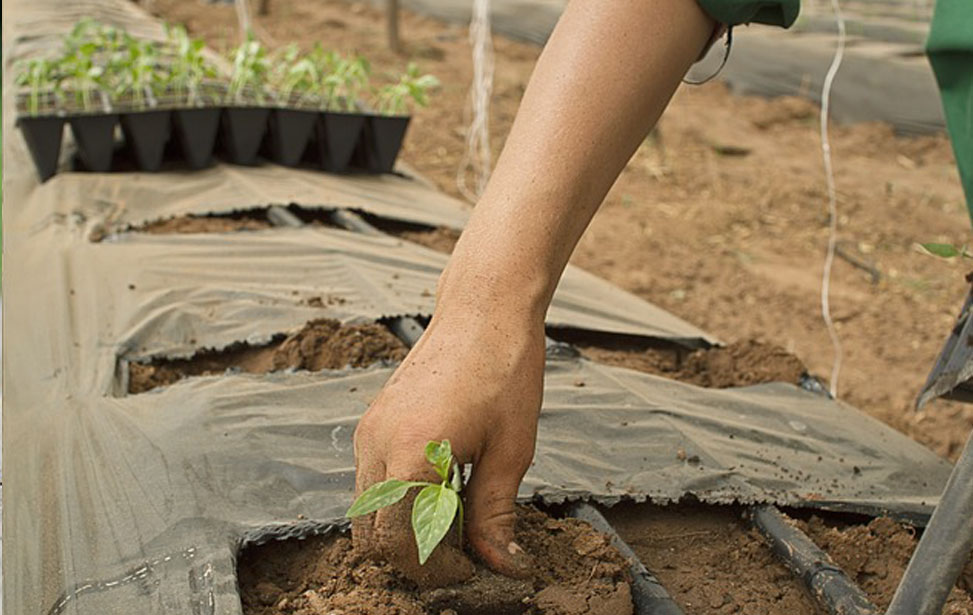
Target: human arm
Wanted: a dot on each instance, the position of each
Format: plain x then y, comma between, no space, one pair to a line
476,376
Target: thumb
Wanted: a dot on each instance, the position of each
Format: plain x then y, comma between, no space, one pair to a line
491,514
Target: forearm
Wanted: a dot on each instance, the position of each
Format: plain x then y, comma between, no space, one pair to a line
604,78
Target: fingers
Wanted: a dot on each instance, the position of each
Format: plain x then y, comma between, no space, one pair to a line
490,497
370,469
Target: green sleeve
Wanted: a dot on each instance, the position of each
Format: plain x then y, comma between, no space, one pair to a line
950,51
735,12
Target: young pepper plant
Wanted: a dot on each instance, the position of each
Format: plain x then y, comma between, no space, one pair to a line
343,80
40,76
297,78
250,70
393,99
189,67
435,506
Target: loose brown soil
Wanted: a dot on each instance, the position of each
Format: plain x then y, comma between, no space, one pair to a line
320,344
249,221
738,364
577,573
732,243
710,561
875,557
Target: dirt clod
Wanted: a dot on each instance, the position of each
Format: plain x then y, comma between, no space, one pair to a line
320,344
577,573
206,224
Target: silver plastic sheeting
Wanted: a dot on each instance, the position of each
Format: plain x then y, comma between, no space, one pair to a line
952,375
140,503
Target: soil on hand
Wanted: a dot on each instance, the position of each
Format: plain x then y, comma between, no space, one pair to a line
577,573
875,557
736,365
241,221
710,561
320,344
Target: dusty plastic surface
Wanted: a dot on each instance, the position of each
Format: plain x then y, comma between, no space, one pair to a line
952,374
139,504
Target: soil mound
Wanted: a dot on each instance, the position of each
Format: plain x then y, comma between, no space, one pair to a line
320,344
577,573
739,364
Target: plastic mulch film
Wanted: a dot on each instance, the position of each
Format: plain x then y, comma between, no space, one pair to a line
951,376
140,503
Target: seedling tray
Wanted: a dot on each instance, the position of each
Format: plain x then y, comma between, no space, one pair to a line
342,141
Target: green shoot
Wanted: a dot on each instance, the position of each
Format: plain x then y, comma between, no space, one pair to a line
343,80
296,78
946,250
250,72
41,77
393,99
435,507
189,67
140,75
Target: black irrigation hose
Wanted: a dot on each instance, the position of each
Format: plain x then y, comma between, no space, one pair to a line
944,548
650,597
823,578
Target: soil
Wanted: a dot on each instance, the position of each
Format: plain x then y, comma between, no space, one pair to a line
710,561
577,573
735,365
320,344
441,239
732,243
875,557
250,220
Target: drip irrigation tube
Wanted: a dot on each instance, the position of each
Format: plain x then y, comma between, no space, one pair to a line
351,221
944,548
650,597
280,216
823,578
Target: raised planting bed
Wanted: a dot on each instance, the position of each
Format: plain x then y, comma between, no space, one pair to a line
278,103
320,344
738,364
577,572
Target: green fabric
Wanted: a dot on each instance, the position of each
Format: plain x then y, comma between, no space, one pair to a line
770,12
950,50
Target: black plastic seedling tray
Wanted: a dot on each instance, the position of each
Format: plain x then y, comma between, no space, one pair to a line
368,142
146,133
43,135
196,131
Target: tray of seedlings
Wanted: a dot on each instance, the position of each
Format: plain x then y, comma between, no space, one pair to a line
167,100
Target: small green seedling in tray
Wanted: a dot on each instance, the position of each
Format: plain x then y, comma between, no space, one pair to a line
393,99
434,508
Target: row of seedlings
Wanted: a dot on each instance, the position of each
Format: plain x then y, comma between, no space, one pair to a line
278,103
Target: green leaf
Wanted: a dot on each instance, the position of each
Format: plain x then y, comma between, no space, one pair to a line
432,515
380,495
440,455
942,250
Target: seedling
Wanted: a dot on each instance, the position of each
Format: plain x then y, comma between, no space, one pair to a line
189,67
41,77
393,99
297,78
140,75
250,70
343,80
434,508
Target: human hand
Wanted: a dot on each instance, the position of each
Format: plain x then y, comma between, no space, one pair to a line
477,384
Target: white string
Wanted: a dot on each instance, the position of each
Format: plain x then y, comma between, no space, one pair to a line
832,199
478,158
